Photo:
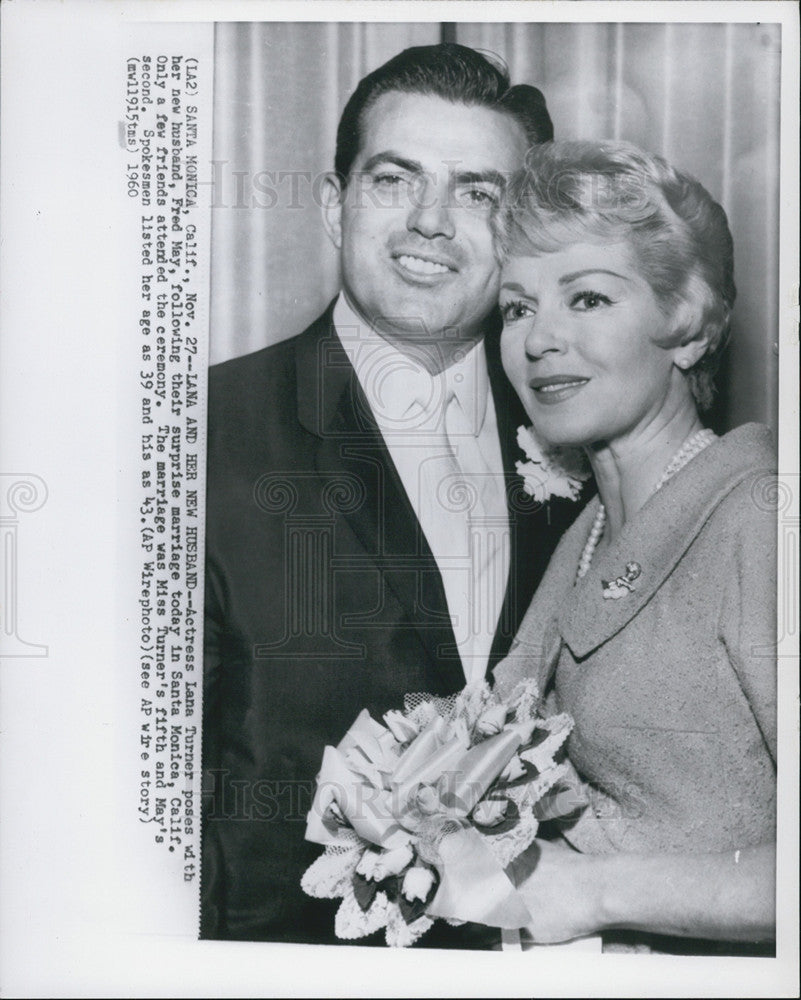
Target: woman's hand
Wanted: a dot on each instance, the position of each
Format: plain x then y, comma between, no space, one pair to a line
562,890
728,896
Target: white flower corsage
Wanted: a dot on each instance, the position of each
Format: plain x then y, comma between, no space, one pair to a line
550,472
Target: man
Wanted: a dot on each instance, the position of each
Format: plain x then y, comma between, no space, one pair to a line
365,537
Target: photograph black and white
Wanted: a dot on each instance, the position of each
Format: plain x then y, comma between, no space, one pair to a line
500,227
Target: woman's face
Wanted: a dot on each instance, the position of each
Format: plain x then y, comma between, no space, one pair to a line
580,326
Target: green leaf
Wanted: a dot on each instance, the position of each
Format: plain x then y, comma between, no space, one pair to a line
530,774
510,820
364,890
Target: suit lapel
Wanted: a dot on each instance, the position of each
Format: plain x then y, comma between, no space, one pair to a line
525,519
353,462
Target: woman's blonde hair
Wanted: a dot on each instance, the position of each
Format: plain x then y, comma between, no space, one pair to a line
571,191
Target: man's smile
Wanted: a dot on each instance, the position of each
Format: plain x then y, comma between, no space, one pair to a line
419,265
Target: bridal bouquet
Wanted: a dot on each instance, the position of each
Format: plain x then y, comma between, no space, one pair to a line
420,816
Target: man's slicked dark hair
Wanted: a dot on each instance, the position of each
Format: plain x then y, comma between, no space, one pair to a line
453,72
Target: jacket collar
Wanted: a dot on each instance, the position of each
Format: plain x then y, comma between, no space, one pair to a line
324,374
659,536
352,458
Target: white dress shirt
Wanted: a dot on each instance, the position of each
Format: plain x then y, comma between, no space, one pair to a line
441,432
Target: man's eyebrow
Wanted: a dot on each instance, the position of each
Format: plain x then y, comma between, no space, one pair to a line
481,177
390,157
567,278
387,156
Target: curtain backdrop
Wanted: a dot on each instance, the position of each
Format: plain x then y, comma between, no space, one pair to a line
704,96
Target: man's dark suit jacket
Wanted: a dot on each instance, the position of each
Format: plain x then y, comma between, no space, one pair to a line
322,598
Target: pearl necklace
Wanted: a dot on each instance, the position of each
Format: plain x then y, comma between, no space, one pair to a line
691,447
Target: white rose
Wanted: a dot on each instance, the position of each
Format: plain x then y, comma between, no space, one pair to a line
366,865
490,812
417,883
514,769
492,721
401,728
389,863
428,801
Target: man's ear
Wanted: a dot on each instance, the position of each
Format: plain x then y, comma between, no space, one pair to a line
333,194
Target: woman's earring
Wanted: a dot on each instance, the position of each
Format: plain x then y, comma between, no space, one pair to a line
683,363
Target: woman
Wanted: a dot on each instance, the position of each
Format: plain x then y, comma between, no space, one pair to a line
654,625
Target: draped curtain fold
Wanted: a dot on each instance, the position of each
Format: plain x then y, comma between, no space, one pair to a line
705,96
